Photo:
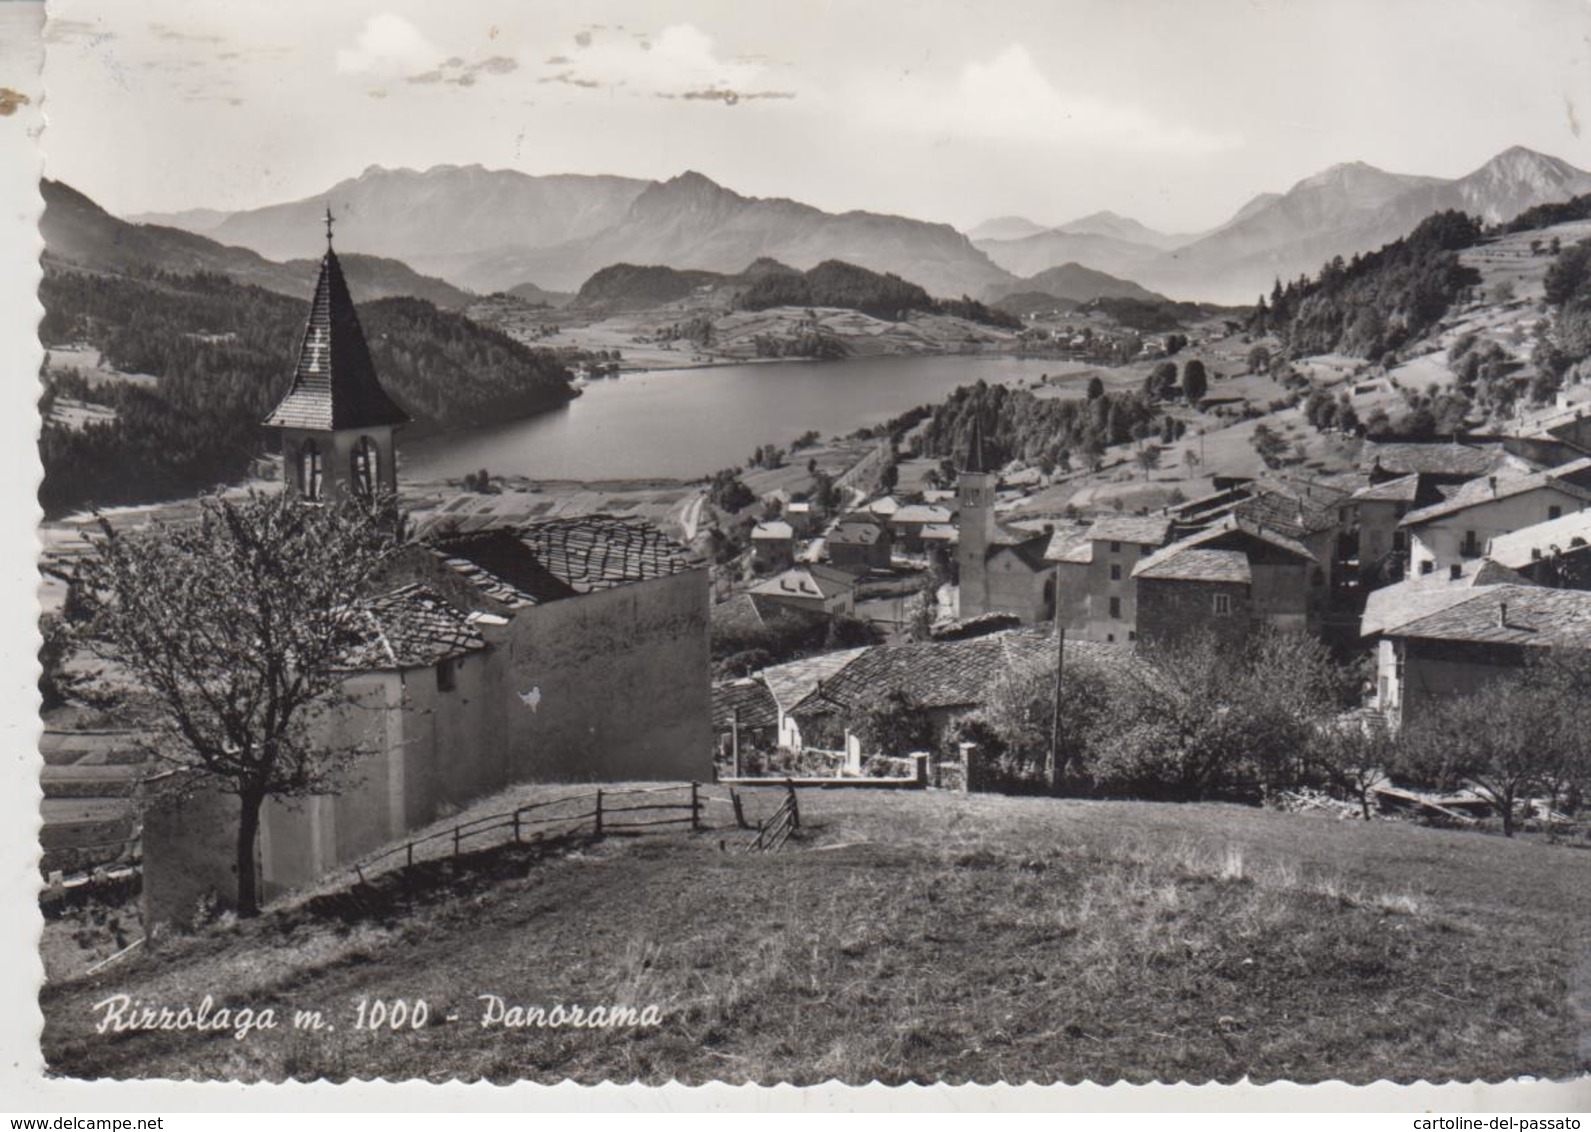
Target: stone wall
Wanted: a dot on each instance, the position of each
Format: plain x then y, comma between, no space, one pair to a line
613,685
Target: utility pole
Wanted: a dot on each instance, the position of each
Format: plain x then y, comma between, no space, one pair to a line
1053,770
734,740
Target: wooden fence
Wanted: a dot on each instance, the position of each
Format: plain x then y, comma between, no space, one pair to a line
600,812
775,830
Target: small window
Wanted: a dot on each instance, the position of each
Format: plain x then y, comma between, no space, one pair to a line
1555,512
1131,636
309,477
1115,607
1115,572
1145,549
1115,548
363,465
1223,604
1427,567
1110,638
446,675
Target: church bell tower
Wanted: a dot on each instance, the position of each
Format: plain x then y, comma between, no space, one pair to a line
337,424
974,527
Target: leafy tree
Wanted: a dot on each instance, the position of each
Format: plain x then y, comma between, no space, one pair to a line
1270,445
236,631
1195,381
1161,380
1096,388
728,492
1508,740
1356,756
1148,458
891,723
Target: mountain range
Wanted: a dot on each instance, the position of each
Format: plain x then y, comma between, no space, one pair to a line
79,233
1344,210
491,230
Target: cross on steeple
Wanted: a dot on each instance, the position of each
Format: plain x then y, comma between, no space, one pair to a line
328,227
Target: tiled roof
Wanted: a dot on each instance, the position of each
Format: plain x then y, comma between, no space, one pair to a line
774,529
794,681
1070,544
940,532
1150,530
334,384
1511,615
752,699
1236,525
946,674
807,582
885,506
1194,564
411,627
559,558
1029,546
1289,510
1443,458
1404,489
1504,485
1413,598
855,532
1520,549
922,513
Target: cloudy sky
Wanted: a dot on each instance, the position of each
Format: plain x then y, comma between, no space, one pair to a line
1172,111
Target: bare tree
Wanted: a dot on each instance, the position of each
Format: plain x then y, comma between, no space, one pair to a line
233,633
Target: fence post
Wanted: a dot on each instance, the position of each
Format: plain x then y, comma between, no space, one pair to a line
795,808
409,863
740,809
696,816
516,827
455,841
599,814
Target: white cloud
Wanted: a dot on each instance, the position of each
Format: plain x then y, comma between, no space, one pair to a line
1009,98
388,45
678,59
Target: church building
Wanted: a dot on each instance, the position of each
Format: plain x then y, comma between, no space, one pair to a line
1001,569
572,649
337,424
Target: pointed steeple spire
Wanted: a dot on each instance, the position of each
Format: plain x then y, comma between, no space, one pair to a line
334,384
974,461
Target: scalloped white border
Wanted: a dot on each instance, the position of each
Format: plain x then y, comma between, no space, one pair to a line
23,1087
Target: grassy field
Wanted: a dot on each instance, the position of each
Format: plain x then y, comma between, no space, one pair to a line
918,937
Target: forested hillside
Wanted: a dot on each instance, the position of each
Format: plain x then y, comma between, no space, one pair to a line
1376,302
223,354
837,284
1048,432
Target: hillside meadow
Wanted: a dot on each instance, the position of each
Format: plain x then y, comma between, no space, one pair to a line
910,937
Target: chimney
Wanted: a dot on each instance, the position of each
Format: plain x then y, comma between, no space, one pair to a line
1455,571
1492,482
1502,615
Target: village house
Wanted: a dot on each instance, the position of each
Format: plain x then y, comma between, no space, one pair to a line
772,545
570,649
792,682
802,517
1094,574
1460,526
745,717
859,543
1454,640
945,680
1554,553
821,591
908,523
1230,580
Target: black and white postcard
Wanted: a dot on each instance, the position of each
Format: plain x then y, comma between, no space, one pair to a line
692,543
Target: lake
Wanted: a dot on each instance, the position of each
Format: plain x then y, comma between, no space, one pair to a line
687,423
